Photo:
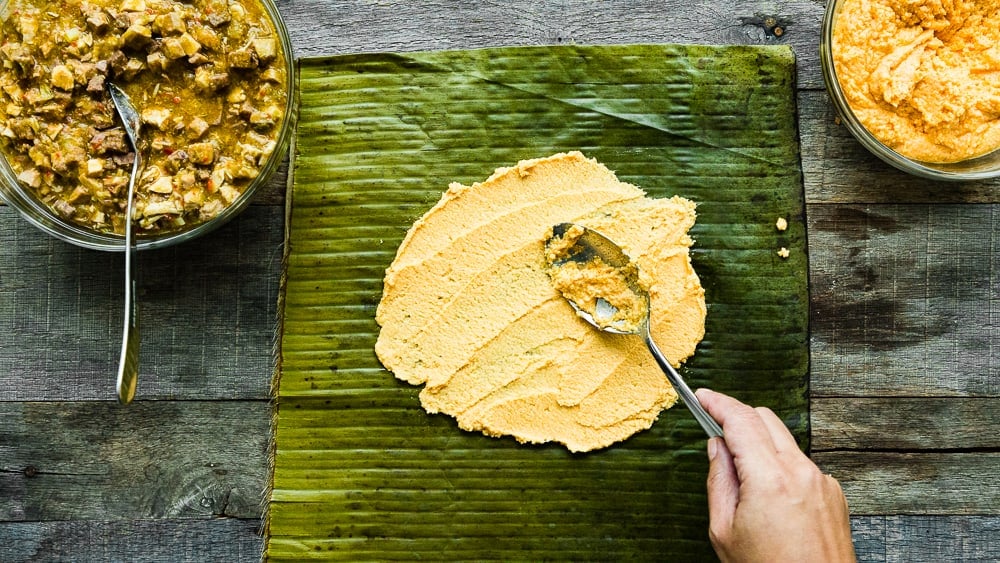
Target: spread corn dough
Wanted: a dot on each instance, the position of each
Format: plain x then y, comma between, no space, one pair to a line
923,76
591,282
469,312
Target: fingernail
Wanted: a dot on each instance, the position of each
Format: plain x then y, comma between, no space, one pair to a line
713,448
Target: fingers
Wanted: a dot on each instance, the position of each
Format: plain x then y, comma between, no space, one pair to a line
747,437
783,440
723,488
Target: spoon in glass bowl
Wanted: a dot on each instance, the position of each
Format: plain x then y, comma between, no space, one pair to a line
614,301
128,364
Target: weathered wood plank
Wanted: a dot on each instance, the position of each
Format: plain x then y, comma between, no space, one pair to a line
154,459
837,169
169,540
868,535
320,27
901,423
208,311
910,539
916,483
904,300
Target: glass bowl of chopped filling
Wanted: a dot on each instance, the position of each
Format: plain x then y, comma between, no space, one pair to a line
213,81
918,84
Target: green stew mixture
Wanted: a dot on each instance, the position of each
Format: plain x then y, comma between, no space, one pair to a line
207,76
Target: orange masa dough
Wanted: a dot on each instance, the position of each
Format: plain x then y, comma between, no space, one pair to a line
923,76
469,312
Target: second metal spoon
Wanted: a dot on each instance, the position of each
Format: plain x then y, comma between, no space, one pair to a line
584,245
128,363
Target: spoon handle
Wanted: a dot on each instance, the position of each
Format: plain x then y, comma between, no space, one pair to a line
128,364
706,421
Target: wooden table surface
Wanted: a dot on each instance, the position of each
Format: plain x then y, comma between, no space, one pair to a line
905,325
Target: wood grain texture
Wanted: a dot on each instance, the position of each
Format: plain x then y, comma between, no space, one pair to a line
151,541
911,539
904,423
905,300
923,483
207,314
838,169
156,459
321,27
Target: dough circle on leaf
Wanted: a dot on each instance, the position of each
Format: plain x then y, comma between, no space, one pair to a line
469,312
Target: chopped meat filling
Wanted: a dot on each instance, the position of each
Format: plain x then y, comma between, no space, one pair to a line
207,76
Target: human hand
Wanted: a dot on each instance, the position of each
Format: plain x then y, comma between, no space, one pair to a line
767,501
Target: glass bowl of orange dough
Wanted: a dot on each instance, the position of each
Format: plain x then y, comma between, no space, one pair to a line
918,85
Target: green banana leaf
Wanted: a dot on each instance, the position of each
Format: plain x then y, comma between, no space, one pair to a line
360,470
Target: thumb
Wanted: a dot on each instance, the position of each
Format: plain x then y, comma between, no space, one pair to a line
723,489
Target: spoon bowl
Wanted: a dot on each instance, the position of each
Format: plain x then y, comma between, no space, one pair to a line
624,309
128,363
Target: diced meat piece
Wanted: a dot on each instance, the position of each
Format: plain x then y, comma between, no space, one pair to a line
170,23
67,157
101,66
199,59
99,21
31,177
162,185
189,44
133,5
266,48
246,110
172,49
95,166
157,61
176,160
243,58
207,79
236,95
206,36
62,77
218,12
210,209
193,198
201,153
110,141
228,193
123,160
164,207
96,84
156,117
186,180
64,209
117,61
137,36
272,75
249,152
263,119
132,68
197,127
114,184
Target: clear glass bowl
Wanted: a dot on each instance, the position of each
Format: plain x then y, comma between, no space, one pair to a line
978,168
39,215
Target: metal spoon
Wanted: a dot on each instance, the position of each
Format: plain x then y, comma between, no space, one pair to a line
591,245
128,364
